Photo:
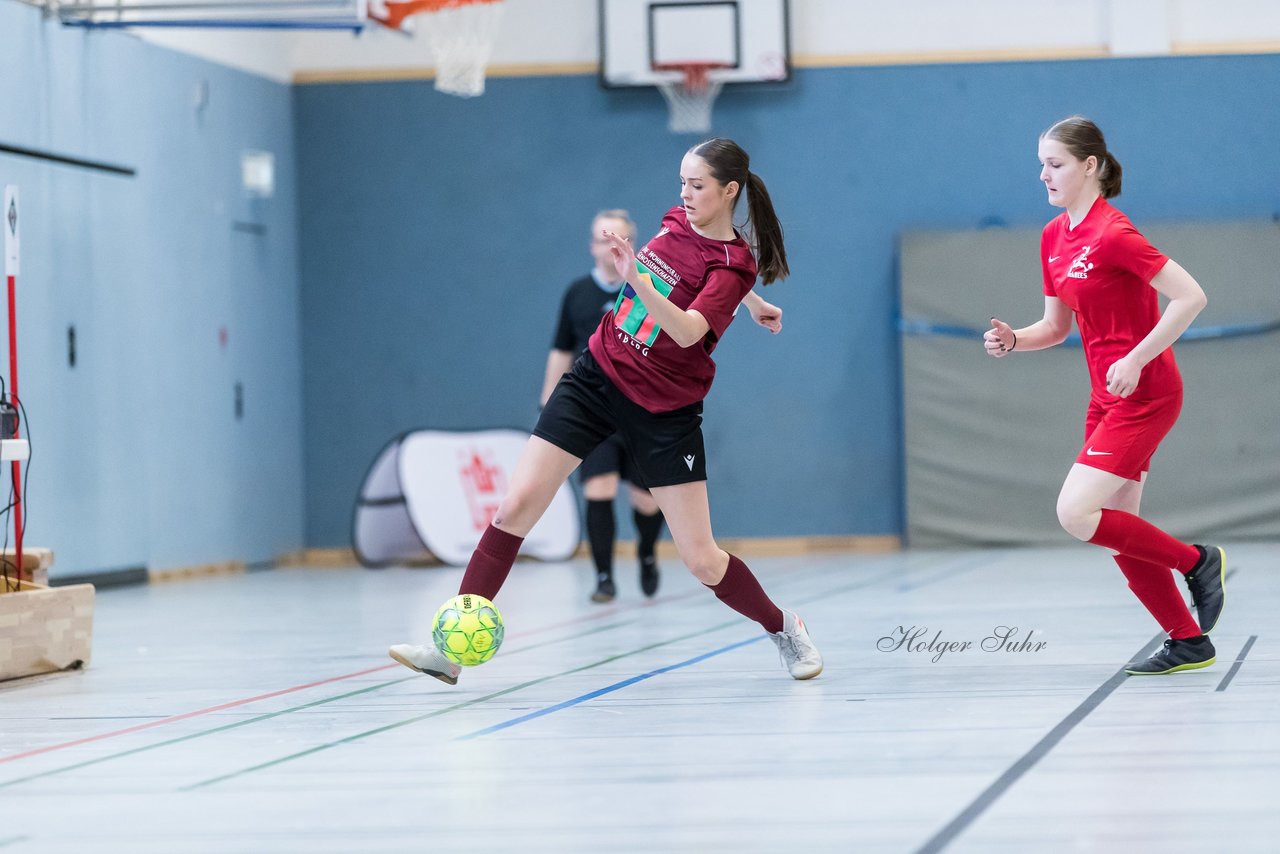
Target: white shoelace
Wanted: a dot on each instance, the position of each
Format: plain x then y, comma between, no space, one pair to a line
788,649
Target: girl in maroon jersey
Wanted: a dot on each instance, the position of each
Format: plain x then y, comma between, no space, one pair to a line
1099,267
646,372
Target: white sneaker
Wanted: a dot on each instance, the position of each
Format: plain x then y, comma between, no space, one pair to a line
799,655
426,659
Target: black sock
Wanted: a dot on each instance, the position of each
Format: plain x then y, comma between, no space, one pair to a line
601,533
647,529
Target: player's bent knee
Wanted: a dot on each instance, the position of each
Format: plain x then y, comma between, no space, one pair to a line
707,566
517,513
1074,521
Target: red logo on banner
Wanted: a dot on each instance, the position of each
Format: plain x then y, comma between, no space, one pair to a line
484,485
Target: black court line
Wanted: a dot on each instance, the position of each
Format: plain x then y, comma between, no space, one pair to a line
992,793
1231,674
49,156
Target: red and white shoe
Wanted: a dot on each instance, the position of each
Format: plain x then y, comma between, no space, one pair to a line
799,655
426,659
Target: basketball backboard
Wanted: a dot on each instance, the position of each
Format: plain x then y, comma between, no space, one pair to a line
747,41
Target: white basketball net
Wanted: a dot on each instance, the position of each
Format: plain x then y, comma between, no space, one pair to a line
461,35
689,100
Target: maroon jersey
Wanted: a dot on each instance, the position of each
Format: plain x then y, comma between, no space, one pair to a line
1102,270
693,272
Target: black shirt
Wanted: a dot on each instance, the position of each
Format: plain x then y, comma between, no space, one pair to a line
585,302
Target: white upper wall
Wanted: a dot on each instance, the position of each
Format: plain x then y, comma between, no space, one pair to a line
562,35
262,52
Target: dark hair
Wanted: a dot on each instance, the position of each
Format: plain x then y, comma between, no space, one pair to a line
728,162
1084,139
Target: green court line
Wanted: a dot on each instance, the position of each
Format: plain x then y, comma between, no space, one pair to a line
459,706
448,709
224,728
595,630
267,716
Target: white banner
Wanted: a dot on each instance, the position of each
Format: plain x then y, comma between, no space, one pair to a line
453,483
11,267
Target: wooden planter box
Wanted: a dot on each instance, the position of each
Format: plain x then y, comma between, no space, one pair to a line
44,629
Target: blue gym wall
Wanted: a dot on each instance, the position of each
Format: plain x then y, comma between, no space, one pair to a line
408,274
138,459
438,233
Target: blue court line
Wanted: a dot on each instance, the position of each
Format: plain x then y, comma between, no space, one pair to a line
617,686
844,588
965,566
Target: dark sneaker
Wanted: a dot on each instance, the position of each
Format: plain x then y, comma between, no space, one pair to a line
1208,585
605,589
1175,655
649,575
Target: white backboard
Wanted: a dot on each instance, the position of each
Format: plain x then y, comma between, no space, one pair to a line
751,37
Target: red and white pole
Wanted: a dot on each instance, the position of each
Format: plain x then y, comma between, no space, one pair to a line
11,269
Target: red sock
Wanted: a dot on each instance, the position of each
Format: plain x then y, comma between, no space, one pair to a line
1126,533
490,563
1158,592
741,591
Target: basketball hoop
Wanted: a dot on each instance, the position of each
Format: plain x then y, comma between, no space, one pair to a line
691,96
461,33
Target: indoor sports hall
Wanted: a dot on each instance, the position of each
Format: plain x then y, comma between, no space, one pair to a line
312,305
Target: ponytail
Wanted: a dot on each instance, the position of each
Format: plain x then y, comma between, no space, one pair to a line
728,162
771,254
1109,175
1084,139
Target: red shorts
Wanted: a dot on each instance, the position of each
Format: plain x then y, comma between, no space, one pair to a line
1121,436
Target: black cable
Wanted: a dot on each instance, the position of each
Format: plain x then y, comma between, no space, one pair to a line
9,585
25,470
15,501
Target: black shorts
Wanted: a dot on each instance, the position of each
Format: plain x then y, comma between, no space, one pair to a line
586,408
609,457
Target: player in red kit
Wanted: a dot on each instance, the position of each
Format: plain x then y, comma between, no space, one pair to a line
1097,266
646,372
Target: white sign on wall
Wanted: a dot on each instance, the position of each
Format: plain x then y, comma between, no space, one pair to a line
11,230
453,483
434,492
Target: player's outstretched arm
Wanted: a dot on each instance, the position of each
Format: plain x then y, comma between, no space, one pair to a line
1050,331
764,313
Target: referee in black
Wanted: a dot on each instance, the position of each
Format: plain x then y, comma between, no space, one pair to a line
586,301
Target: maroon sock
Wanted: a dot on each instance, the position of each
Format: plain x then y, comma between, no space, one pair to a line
1129,535
490,563
740,590
1155,588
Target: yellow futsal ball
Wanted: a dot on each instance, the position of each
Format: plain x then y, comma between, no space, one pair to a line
467,630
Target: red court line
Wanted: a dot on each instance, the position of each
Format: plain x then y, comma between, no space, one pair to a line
609,612
186,715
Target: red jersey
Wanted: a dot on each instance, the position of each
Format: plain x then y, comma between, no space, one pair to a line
1102,270
693,272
